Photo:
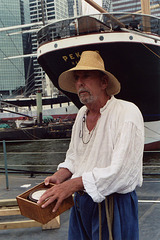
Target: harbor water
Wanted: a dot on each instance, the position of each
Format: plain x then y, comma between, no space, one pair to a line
43,157
40,156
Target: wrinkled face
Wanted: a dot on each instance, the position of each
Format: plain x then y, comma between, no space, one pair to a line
89,85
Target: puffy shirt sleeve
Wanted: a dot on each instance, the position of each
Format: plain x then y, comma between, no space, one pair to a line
125,171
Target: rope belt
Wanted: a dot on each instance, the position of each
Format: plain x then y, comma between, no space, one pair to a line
109,215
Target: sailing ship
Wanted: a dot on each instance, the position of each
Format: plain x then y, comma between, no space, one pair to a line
10,112
129,43
37,124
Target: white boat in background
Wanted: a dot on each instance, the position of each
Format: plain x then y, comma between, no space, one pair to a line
56,122
57,112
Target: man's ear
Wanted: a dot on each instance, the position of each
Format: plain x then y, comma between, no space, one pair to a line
104,81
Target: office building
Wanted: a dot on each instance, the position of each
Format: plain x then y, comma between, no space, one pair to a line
74,8
12,73
107,5
133,6
44,11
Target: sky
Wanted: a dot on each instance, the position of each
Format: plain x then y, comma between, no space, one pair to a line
87,9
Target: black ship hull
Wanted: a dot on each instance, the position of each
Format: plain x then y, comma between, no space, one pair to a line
133,56
137,69
57,131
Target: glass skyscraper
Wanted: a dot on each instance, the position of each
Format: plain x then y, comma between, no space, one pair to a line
12,73
44,11
16,73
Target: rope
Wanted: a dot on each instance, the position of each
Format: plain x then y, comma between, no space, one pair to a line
150,50
30,134
109,206
109,214
100,221
141,33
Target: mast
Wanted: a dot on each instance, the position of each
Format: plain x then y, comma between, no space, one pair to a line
39,107
145,6
102,10
43,18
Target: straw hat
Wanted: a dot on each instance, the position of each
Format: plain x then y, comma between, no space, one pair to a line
90,60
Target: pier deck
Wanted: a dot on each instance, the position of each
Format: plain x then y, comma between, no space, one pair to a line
149,210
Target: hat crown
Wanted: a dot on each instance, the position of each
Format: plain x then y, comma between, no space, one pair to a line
91,59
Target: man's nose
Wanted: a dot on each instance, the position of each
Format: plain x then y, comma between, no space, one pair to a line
79,81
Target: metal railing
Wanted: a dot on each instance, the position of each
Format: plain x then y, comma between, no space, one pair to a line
37,157
33,157
103,22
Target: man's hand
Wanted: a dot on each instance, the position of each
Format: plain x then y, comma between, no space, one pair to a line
61,175
60,191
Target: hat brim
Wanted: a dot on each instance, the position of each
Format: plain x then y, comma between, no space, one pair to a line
67,80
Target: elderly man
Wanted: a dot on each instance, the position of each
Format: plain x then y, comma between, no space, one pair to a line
103,164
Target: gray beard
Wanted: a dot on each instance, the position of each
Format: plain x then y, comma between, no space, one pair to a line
87,100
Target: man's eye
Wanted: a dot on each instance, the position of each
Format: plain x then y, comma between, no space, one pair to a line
86,75
76,78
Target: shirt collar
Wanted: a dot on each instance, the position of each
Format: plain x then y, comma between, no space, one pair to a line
106,105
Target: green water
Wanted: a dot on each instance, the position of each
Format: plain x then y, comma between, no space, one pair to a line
43,155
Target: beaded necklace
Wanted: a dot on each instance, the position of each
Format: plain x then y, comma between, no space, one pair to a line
81,132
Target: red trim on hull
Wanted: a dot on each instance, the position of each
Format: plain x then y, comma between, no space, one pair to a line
63,116
16,118
152,146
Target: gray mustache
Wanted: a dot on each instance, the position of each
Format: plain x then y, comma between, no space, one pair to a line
82,90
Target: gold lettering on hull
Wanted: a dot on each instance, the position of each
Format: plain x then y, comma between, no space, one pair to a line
73,58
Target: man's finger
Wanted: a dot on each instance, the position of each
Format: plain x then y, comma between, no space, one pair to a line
47,181
48,193
58,203
48,201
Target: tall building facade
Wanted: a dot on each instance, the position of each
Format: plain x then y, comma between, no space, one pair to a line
44,11
12,73
126,5
70,8
134,5
107,5
74,8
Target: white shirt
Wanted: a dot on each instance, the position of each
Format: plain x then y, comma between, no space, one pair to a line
111,161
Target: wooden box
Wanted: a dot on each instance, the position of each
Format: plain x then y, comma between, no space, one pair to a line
34,211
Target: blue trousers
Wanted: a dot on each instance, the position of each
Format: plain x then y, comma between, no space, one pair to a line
84,218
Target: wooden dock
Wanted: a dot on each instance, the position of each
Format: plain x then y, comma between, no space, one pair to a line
9,207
